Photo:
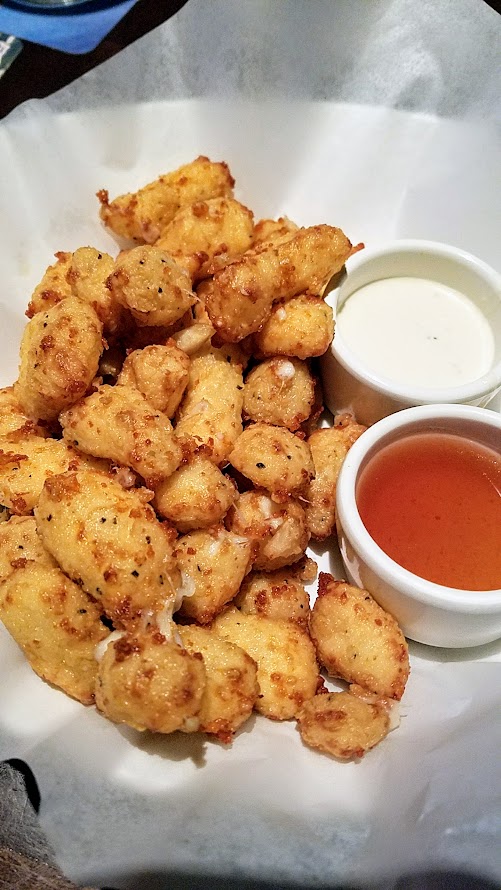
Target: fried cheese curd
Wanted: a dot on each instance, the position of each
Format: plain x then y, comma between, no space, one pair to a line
357,640
302,327
160,373
210,413
53,287
117,422
14,420
279,594
241,295
214,561
197,495
207,233
143,215
20,545
162,575
26,462
273,458
150,683
60,353
55,624
278,532
151,285
279,391
287,670
231,688
110,542
342,724
329,447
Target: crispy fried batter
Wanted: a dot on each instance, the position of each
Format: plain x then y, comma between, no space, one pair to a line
278,532
118,423
196,495
241,295
287,670
329,448
207,235
301,327
143,215
278,594
148,282
357,640
60,353
20,546
150,683
211,411
280,391
56,625
160,373
109,541
53,287
273,458
214,561
28,461
231,689
87,274
14,420
342,725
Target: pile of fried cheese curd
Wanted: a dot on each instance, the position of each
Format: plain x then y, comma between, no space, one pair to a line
162,474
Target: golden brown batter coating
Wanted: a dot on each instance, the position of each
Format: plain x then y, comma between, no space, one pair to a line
342,725
357,640
56,625
301,327
278,594
273,458
151,285
53,287
20,546
160,373
60,353
27,461
143,215
287,670
280,391
14,420
211,411
109,541
87,274
268,231
241,295
231,689
150,683
329,447
118,423
278,532
214,561
197,495
207,234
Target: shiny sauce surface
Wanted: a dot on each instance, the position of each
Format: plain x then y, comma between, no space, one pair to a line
432,502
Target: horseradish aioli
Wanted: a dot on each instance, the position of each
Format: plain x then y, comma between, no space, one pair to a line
415,331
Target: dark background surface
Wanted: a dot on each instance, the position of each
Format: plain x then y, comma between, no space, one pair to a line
38,71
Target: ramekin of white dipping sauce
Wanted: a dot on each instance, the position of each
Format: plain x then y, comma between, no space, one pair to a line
464,443
417,323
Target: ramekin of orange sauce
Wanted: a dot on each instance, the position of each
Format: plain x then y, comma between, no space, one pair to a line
419,521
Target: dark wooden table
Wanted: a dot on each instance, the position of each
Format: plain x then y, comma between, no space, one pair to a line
38,71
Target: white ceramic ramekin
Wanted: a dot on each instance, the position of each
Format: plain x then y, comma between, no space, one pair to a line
427,612
351,385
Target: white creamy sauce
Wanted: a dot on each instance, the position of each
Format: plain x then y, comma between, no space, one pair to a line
416,331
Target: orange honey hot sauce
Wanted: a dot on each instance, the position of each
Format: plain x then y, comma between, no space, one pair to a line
432,502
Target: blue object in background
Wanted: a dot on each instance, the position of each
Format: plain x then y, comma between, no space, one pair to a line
73,29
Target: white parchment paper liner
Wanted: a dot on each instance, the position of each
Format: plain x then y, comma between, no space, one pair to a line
382,118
